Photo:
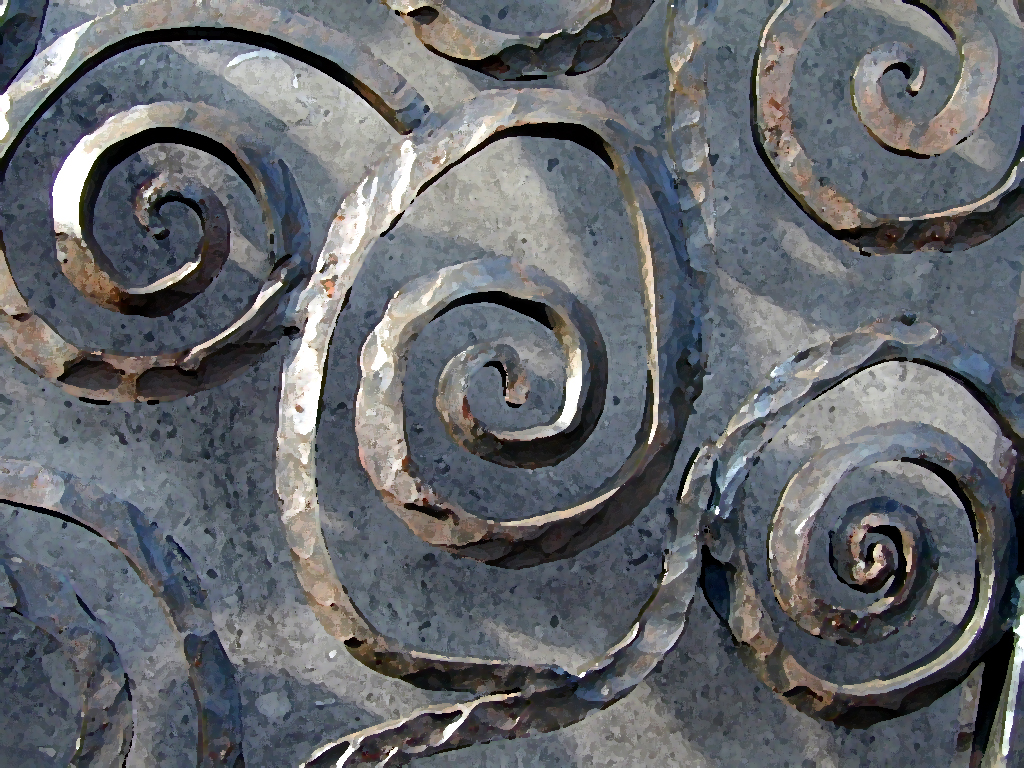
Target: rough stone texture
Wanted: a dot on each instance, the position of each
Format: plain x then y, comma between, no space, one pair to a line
207,466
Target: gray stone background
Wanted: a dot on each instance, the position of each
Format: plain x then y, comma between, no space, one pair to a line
203,465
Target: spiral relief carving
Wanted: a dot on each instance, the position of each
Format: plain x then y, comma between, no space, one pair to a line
956,228
107,375
77,184
906,560
887,552
804,497
880,544
103,375
380,422
672,294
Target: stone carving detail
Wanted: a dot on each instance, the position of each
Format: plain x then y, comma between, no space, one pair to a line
908,553
872,542
956,228
674,378
102,375
380,423
109,376
880,547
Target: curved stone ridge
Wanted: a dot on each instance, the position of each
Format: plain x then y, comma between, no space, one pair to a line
47,598
583,42
168,571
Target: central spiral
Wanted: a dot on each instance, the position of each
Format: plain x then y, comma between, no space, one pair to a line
110,375
380,408
879,540
879,545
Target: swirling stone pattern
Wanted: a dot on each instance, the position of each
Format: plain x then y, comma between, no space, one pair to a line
107,375
380,420
103,375
971,25
879,546
725,465
673,378
711,494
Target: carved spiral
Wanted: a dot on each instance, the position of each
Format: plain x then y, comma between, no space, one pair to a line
380,420
107,375
901,541
103,375
517,699
954,229
877,541
878,545
83,262
453,397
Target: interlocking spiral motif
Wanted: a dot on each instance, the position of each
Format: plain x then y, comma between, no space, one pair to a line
879,546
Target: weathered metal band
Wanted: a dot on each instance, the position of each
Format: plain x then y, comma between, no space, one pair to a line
583,42
47,599
687,26
52,71
165,568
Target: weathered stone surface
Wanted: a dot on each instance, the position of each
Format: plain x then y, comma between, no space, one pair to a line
381,379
